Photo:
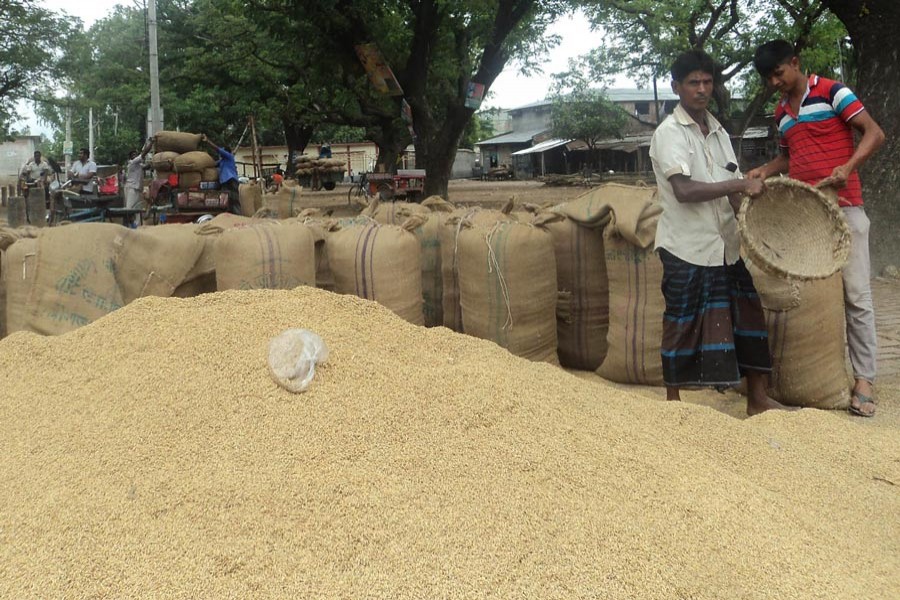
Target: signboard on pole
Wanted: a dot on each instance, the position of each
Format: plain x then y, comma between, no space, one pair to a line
380,74
474,95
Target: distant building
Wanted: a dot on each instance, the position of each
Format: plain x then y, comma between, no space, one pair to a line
531,151
13,156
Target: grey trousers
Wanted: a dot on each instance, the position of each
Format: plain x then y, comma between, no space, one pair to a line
860,313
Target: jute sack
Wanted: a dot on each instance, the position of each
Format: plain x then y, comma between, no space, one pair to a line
177,141
807,329
270,256
507,284
193,162
210,174
320,228
381,263
188,181
154,261
450,228
634,271
285,203
250,195
75,282
17,273
164,161
435,209
582,310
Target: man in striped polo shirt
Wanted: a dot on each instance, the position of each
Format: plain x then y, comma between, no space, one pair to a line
816,119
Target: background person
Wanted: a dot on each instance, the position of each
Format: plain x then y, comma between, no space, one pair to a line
134,179
228,176
816,118
35,170
714,330
83,172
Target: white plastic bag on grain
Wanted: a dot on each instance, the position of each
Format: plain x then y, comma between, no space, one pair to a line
293,356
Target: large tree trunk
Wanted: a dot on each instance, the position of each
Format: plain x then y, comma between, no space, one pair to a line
436,145
391,138
297,137
873,26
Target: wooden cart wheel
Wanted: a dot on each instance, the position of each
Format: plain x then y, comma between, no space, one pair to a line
328,185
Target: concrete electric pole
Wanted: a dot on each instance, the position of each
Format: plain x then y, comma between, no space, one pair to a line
155,124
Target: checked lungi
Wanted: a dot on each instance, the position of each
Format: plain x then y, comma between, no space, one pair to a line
714,329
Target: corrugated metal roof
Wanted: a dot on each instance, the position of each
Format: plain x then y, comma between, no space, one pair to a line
545,145
513,137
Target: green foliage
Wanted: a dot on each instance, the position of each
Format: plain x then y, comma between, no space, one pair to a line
643,37
480,127
31,43
586,114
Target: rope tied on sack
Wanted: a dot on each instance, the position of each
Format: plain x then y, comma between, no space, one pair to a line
494,265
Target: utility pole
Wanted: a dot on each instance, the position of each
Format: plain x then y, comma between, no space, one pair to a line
155,116
91,131
67,146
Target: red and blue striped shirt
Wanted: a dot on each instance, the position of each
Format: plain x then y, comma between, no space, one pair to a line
820,137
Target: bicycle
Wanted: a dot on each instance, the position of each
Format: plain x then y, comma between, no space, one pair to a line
359,191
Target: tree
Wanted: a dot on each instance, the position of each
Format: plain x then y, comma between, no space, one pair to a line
31,42
436,49
480,127
587,114
645,37
872,26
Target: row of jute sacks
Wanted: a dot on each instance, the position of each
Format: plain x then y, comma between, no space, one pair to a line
306,165
577,284
179,152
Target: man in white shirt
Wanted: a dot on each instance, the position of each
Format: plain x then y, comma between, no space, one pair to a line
134,178
35,171
714,330
83,171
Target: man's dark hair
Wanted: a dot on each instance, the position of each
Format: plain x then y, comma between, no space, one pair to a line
690,61
227,149
85,150
772,54
37,152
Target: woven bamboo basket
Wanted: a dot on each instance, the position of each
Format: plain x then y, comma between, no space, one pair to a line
794,230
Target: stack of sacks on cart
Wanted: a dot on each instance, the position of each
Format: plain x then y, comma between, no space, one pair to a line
575,284
179,162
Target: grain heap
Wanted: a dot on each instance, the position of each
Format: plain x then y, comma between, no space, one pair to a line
420,464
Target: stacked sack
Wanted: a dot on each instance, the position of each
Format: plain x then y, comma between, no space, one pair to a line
381,263
450,229
435,210
507,286
178,152
628,216
306,166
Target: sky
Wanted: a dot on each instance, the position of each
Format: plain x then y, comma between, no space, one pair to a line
509,90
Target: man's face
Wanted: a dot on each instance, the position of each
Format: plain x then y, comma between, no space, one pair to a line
786,75
37,157
695,90
82,156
